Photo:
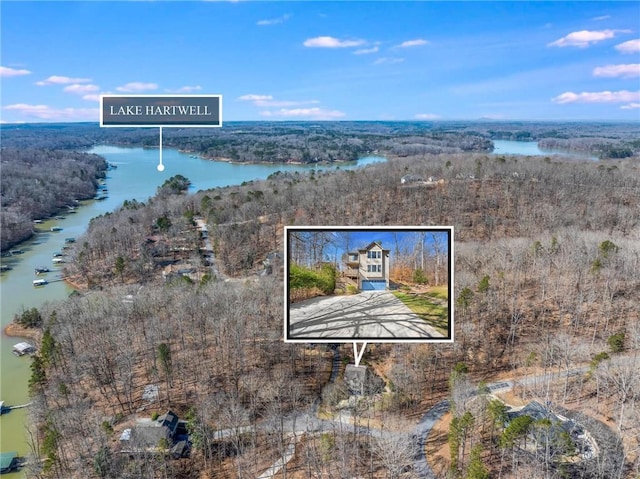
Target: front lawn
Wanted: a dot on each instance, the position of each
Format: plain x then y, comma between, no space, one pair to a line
440,292
429,307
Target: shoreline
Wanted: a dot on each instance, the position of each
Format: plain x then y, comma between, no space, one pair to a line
14,330
76,286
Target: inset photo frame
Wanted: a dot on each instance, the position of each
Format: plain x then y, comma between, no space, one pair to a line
373,284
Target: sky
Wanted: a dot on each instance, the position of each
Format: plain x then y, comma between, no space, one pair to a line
388,239
352,60
406,240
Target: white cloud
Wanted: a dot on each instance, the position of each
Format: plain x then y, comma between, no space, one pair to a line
283,103
632,46
185,89
602,17
426,116
45,112
274,21
331,42
252,97
314,113
630,106
13,72
625,71
493,116
413,43
268,101
61,80
96,96
365,51
81,89
622,96
136,87
584,38
388,60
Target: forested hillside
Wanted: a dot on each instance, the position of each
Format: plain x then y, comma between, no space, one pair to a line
546,259
37,183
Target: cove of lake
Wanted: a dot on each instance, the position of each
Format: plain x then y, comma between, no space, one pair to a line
135,178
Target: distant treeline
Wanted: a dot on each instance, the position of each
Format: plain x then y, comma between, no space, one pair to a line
38,183
313,142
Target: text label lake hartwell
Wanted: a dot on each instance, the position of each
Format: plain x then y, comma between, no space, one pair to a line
137,110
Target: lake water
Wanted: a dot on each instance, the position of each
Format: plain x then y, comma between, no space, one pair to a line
136,177
530,148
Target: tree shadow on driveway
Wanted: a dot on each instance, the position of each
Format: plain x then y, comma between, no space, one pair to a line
368,315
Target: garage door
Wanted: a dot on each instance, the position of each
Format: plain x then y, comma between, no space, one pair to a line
374,285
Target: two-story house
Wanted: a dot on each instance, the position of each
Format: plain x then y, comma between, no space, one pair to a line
369,267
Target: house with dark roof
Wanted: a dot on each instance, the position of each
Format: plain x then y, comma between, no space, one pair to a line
369,266
161,436
558,434
170,421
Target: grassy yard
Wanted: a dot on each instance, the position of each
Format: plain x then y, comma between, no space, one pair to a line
440,292
431,306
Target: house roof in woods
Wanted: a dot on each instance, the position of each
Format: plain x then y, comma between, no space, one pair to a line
170,421
180,449
371,245
537,411
148,437
411,179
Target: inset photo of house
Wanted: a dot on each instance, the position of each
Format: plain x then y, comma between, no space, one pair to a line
383,284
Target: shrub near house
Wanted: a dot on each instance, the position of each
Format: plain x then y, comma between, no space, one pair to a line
305,283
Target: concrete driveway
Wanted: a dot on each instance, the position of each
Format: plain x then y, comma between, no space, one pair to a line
368,315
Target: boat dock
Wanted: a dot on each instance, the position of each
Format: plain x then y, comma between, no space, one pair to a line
5,409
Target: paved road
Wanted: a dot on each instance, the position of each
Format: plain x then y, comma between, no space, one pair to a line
368,315
420,433
309,422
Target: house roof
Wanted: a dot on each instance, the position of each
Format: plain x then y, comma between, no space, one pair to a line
148,437
170,421
371,245
537,411
180,449
409,178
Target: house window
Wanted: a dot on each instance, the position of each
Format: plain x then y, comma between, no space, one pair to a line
379,267
379,255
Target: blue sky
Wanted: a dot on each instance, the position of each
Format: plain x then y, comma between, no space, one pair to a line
326,60
405,240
